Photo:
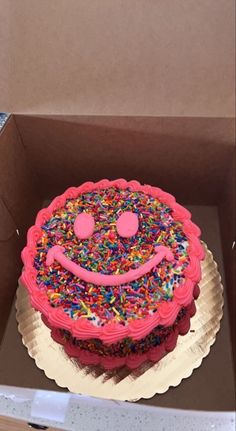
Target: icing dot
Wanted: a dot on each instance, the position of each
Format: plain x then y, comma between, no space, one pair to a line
84,225
127,224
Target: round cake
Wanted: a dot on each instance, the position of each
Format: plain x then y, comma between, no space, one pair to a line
114,268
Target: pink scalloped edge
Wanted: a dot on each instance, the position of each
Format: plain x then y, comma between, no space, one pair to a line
134,360
113,332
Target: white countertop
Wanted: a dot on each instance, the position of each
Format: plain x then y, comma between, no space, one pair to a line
76,412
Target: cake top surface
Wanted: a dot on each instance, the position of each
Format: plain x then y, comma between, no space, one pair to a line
114,253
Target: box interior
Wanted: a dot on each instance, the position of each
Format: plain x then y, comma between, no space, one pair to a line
192,158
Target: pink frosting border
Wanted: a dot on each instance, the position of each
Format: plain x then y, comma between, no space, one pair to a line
112,332
134,360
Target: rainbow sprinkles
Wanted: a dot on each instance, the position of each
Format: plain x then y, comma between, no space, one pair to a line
113,262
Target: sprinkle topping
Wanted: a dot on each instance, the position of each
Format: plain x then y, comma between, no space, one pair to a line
106,252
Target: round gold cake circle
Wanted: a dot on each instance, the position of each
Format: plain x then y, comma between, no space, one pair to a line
123,384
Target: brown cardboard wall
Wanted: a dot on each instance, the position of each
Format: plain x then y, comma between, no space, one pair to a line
163,58
228,234
17,206
186,156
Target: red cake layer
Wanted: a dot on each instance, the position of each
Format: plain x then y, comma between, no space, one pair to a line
168,339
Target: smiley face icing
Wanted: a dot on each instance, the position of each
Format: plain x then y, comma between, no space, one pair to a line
112,261
82,247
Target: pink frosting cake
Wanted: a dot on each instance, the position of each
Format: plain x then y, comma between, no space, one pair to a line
114,268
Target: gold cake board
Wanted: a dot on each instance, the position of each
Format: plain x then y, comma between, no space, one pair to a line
123,384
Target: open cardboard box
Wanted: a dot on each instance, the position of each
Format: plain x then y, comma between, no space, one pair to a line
155,80
191,158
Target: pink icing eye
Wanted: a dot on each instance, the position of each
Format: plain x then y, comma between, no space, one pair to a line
84,225
127,224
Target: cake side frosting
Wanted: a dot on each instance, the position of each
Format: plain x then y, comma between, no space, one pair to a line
132,360
139,321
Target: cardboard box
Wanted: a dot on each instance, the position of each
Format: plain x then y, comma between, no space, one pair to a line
189,157
102,57
145,90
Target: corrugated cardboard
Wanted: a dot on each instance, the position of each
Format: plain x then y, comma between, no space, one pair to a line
173,152
159,75
41,156
136,57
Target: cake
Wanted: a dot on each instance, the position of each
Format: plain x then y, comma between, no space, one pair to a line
113,267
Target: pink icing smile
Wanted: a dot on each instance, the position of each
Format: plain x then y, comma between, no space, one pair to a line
57,253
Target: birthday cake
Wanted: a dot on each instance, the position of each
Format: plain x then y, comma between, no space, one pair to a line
114,268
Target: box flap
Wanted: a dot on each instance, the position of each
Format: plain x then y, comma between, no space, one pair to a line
160,58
